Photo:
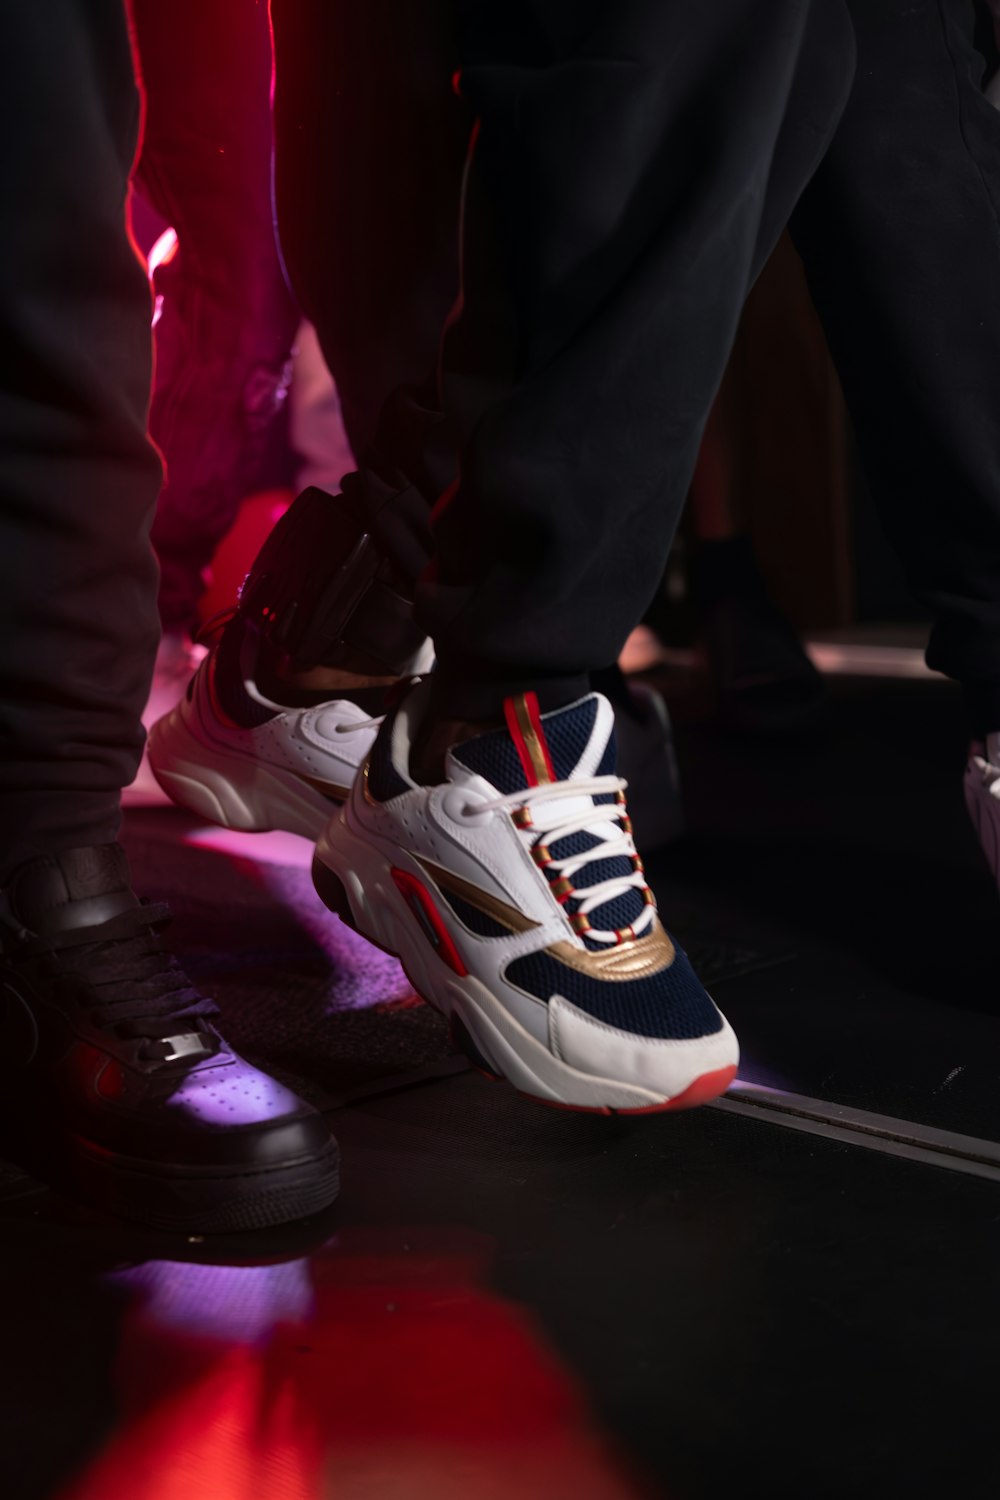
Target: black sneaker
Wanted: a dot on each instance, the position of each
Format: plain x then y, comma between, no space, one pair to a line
116,1082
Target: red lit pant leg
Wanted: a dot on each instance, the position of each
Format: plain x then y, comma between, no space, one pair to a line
228,321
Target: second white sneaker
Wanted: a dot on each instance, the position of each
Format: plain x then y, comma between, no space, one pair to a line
234,757
514,896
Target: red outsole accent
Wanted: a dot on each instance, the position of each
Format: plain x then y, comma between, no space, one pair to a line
704,1089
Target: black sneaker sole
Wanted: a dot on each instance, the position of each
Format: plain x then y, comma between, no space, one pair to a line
190,1200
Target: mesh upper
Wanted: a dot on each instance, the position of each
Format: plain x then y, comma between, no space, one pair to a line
567,734
493,757
618,914
671,1005
471,917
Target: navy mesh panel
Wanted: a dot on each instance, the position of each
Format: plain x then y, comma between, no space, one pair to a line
231,696
471,917
573,843
671,1005
567,734
494,757
624,910
609,760
615,916
384,781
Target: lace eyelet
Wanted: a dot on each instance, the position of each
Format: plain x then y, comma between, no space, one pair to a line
456,805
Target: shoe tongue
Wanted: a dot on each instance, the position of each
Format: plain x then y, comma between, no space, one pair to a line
72,889
535,748
573,743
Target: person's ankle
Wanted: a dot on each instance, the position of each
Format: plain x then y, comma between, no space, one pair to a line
293,687
436,736
337,681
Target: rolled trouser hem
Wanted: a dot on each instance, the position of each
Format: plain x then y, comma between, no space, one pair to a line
982,701
474,691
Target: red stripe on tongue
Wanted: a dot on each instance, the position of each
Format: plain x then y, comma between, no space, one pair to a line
524,724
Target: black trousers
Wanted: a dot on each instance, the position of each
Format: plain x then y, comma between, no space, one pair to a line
225,335
636,162
78,477
633,167
900,234
370,146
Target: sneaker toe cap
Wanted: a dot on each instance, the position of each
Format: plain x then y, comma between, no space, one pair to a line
665,1066
235,1114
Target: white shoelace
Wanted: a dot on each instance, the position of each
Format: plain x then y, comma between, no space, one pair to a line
361,724
551,826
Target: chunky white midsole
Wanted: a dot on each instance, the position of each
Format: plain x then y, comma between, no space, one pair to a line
381,914
231,788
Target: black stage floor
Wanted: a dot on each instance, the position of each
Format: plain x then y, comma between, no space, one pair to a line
792,1294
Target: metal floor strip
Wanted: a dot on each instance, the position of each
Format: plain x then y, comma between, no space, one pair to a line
833,1122
856,1127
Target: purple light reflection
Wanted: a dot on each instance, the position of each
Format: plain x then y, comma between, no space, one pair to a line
239,1304
232,1093
365,976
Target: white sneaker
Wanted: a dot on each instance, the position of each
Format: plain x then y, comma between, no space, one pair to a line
982,797
232,756
516,901
176,662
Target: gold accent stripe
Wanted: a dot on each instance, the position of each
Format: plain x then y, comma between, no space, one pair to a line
631,960
490,906
533,742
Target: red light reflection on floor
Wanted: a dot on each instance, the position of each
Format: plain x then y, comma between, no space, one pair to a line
408,1379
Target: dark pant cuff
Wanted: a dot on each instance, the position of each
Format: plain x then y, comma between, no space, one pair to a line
467,690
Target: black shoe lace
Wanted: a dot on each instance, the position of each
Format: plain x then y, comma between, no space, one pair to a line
132,985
